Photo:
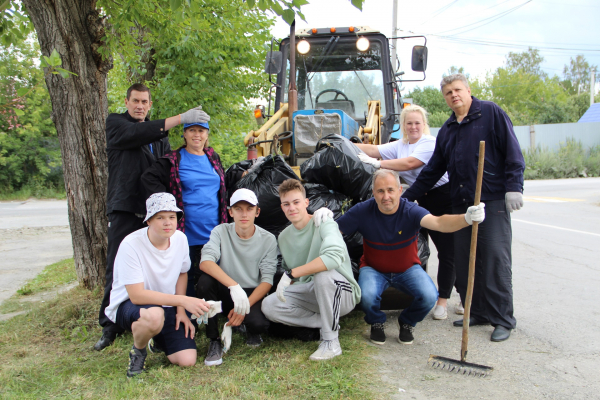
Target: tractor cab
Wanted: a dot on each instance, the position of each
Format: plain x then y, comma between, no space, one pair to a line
343,83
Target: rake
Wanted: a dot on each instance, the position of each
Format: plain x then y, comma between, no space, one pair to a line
462,366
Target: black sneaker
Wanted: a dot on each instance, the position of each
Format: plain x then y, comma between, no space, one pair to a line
406,336
214,356
254,340
137,358
154,348
106,340
377,334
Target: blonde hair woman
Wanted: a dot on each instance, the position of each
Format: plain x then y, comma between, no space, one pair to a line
408,157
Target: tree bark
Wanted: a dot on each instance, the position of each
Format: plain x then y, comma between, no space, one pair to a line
79,109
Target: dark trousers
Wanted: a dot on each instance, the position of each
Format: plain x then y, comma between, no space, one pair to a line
120,224
437,201
194,272
492,291
208,288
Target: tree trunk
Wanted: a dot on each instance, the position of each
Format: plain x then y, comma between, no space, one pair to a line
79,109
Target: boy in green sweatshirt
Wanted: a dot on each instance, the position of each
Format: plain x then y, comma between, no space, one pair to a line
318,286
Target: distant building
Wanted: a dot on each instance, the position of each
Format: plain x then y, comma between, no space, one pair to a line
592,114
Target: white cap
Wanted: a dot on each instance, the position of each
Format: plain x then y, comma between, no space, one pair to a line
246,195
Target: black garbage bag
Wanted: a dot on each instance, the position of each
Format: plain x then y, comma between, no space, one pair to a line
336,165
264,180
423,249
234,174
338,203
319,196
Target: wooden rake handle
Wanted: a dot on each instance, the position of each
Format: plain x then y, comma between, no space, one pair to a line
472,253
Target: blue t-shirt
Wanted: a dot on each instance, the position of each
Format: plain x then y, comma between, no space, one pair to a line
389,241
200,185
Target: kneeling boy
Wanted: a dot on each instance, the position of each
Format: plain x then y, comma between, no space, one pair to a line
318,265
247,255
148,293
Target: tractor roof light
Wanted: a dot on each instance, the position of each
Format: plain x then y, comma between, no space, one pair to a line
303,46
363,44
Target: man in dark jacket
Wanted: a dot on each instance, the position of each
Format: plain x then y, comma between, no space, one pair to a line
457,151
133,143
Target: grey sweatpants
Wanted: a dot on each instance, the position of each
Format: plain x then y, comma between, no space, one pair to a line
316,304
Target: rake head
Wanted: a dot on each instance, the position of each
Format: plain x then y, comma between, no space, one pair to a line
459,367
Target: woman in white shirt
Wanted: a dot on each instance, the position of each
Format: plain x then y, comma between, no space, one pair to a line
409,156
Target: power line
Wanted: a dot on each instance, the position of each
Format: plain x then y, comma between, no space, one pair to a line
508,45
440,10
485,21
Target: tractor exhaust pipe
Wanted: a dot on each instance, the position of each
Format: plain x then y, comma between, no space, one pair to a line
293,90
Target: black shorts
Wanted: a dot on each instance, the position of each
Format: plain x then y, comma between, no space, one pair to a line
169,339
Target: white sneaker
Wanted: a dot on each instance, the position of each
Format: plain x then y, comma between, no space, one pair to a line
327,350
460,310
440,312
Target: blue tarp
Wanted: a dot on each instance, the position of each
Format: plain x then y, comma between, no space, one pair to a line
592,114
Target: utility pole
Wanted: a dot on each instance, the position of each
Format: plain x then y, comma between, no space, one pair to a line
592,87
394,34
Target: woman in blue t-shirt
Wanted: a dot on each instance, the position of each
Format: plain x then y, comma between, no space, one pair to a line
409,156
194,175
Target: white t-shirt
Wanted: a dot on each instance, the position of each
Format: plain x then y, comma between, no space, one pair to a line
422,151
138,261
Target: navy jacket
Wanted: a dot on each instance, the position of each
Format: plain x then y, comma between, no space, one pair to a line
457,151
129,156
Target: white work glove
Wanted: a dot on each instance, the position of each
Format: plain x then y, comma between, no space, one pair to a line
321,215
284,282
194,115
215,308
514,201
226,337
475,214
241,304
369,160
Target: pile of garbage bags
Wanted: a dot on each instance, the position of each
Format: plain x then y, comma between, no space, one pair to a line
336,165
334,178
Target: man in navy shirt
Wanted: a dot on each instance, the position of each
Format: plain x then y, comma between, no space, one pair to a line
457,151
390,227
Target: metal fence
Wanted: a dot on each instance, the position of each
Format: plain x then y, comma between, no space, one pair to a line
550,136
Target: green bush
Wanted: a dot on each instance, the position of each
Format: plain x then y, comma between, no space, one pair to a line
570,161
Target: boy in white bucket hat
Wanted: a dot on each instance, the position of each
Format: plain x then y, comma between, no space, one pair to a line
148,292
247,260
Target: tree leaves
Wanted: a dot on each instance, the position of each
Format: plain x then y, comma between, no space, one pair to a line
52,65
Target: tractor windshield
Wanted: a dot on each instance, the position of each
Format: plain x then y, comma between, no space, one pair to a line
336,75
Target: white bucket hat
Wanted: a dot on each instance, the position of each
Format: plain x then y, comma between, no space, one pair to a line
161,202
246,195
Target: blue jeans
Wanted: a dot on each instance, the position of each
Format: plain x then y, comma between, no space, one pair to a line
414,282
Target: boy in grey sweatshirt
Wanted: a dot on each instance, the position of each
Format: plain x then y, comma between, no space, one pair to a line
247,259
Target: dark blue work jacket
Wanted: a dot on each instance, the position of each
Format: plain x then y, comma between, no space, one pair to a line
457,151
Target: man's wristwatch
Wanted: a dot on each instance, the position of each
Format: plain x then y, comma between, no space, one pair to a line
289,274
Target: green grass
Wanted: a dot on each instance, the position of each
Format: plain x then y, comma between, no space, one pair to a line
47,353
570,161
28,192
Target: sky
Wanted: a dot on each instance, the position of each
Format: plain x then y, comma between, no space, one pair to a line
560,29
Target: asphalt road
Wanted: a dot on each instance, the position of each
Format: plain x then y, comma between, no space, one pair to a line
555,351
33,234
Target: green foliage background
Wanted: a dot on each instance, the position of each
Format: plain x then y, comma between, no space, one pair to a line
29,148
